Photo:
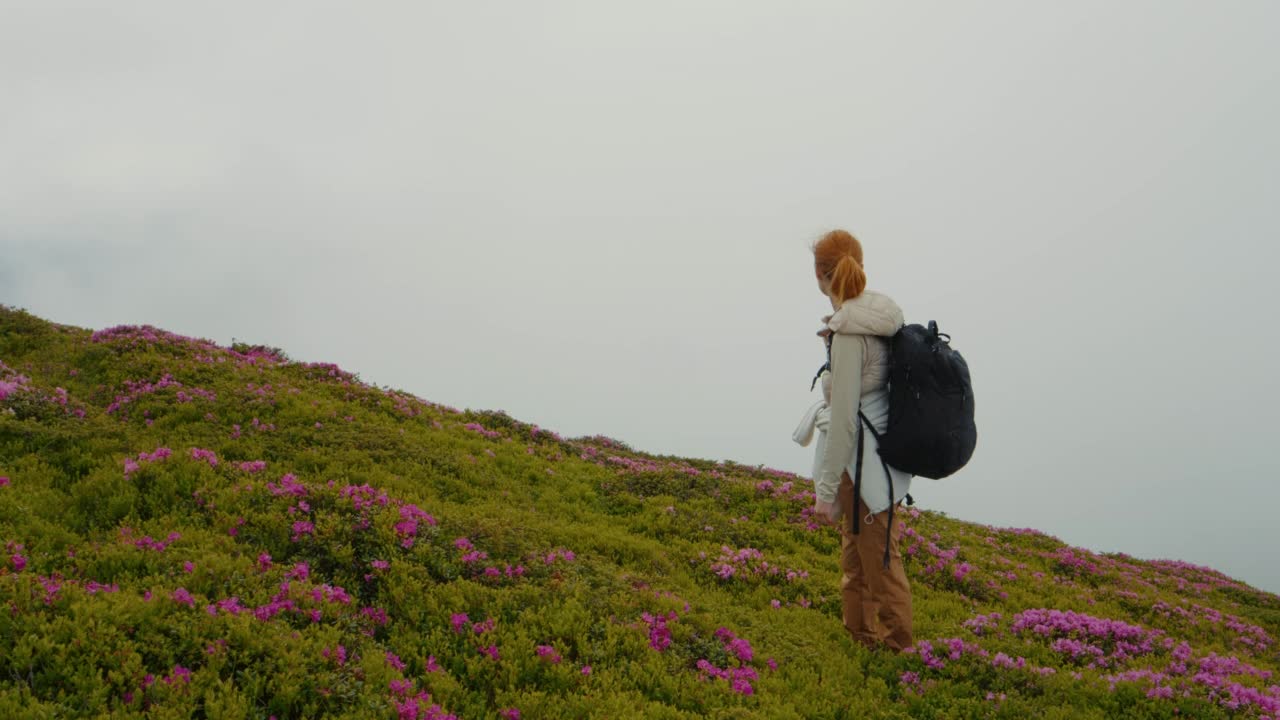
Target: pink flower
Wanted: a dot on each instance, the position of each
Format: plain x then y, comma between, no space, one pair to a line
4,481
980,624
407,528
659,633
337,654
560,554
491,651
264,562
586,669
375,615
401,688
459,621
289,485
181,595
510,714
301,572
740,649
19,562
1004,661
432,665
478,428
302,528
206,455
231,606
394,661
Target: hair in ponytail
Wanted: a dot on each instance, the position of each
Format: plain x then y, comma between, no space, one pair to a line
838,257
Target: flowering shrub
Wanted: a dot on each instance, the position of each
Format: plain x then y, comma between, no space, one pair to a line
482,430
223,532
750,564
739,651
1125,656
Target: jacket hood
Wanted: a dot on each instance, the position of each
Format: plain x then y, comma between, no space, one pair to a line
871,313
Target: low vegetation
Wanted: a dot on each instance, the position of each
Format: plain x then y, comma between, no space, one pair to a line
193,530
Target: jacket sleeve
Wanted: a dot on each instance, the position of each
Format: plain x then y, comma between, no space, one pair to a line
846,390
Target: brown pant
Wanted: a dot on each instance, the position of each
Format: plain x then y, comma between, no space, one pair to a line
877,602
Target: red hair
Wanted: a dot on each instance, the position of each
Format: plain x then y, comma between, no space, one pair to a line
838,257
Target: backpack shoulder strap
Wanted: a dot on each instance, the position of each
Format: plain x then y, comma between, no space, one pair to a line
862,420
857,481
825,367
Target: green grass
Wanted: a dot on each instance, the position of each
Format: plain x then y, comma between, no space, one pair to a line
116,583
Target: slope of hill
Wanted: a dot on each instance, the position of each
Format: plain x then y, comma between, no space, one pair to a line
201,531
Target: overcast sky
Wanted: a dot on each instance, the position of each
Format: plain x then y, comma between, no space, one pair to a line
597,217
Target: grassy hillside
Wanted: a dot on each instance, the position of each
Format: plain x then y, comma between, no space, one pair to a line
201,531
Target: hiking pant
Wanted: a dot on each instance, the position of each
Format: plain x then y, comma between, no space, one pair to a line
877,601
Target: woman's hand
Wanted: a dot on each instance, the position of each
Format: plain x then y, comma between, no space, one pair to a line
827,512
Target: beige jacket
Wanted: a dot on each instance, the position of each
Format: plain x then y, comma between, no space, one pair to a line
862,327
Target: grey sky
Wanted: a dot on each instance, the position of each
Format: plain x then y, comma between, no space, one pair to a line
596,216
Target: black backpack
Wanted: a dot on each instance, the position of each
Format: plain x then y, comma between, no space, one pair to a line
931,432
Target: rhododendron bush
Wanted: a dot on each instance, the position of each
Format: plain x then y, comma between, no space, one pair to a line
196,530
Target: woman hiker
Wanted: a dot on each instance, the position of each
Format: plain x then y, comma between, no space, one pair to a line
876,597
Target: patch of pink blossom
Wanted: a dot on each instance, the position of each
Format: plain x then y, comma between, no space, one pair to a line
301,529
659,632
131,466
289,485
740,678
749,563
207,455
482,430
182,596
559,554
407,528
